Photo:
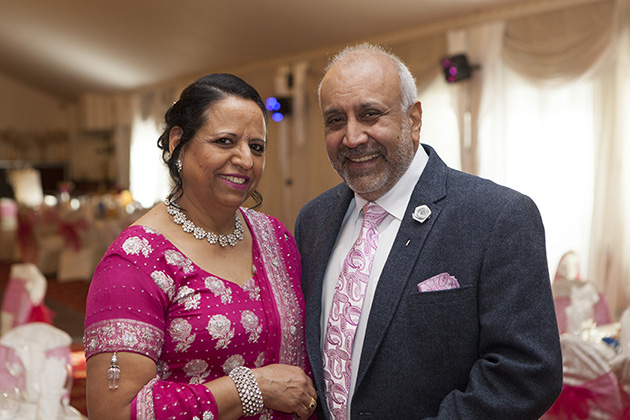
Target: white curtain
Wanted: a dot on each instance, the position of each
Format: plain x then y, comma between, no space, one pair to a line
482,45
149,182
552,123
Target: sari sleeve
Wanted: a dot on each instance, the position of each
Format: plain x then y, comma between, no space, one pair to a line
126,311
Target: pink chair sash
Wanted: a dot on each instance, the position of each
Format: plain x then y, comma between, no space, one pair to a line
601,312
17,301
602,393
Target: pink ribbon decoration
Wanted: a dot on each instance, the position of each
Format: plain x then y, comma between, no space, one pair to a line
70,232
603,393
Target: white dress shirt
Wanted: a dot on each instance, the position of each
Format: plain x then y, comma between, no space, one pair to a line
395,202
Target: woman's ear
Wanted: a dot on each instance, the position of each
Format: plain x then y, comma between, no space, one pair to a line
173,138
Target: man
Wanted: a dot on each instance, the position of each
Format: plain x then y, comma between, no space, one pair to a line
456,320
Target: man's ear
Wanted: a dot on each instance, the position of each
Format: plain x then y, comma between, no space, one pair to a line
415,117
173,138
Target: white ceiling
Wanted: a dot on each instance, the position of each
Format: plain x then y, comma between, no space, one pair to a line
66,47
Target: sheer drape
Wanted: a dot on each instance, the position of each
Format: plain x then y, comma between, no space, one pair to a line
590,43
471,99
610,235
558,116
149,182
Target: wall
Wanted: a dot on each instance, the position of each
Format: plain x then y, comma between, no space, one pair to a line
22,107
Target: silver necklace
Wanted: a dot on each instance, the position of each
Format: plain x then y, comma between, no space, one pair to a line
200,233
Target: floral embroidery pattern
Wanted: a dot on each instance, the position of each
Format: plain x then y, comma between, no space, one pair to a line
144,407
162,370
207,415
219,329
164,282
252,288
123,334
218,287
149,229
232,363
251,325
292,342
176,258
260,360
136,246
180,331
196,369
186,296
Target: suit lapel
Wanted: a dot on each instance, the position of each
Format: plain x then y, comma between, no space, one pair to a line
403,256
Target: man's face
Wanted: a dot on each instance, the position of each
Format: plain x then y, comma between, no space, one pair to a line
370,140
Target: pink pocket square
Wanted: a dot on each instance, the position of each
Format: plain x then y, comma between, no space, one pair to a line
442,281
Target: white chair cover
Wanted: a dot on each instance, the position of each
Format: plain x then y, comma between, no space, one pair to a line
588,384
26,290
44,351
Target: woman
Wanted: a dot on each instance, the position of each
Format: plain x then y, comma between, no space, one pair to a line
195,311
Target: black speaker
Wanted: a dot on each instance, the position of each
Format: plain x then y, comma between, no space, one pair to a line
457,68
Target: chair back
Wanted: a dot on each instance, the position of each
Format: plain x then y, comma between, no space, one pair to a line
44,353
23,299
590,389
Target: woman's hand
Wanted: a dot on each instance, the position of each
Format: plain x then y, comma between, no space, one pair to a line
286,388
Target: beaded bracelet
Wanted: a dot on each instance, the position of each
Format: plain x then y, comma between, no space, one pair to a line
248,390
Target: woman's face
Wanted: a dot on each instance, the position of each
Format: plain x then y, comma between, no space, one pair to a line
224,161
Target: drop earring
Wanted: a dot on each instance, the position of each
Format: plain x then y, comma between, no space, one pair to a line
179,165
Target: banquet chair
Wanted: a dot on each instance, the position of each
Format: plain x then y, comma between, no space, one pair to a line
23,299
44,364
562,300
568,277
590,389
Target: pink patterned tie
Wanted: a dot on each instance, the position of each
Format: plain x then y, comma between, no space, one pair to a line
346,310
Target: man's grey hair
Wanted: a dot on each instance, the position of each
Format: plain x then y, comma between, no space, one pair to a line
408,88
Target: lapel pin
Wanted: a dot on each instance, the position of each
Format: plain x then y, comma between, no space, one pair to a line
421,213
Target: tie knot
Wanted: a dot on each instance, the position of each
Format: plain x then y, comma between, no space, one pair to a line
373,213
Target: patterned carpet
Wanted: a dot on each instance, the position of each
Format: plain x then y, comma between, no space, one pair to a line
67,301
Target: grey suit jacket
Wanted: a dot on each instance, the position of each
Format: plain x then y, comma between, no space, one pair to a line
486,350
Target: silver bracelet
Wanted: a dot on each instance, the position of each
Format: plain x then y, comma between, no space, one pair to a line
248,390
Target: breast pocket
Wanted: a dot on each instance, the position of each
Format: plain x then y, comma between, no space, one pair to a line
452,311
443,296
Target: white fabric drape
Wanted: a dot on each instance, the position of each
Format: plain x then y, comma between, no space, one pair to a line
561,46
554,125
610,234
590,42
482,44
148,177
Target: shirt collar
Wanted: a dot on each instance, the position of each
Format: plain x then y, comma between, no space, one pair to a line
395,201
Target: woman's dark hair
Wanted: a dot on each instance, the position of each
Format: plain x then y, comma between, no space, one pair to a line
190,113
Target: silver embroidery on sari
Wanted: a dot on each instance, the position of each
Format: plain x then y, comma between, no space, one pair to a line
218,287
292,349
177,258
180,331
220,329
136,246
251,325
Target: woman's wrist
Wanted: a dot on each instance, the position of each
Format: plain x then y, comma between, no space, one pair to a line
248,390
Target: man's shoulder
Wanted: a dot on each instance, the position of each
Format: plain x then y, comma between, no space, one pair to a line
328,197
